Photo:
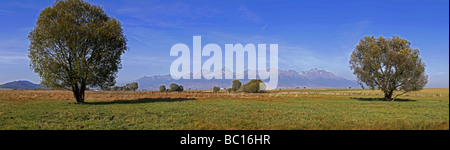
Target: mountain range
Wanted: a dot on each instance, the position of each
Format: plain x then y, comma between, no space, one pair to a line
313,78
21,84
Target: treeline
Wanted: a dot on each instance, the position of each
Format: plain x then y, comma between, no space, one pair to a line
173,88
253,86
127,87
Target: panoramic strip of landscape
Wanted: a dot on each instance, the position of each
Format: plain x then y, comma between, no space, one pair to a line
224,65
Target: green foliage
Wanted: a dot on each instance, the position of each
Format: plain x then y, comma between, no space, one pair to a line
181,88
253,86
162,88
175,87
216,89
74,45
229,90
115,88
131,86
127,87
389,65
236,85
106,88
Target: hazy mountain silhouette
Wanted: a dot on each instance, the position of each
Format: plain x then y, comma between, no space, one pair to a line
313,78
20,85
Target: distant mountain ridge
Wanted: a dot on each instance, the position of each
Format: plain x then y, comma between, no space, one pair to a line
313,78
21,84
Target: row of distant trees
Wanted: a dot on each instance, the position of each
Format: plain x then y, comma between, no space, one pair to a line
253,86
172,88
127,87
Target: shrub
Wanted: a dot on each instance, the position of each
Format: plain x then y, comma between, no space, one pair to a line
115,88
253,86
106,89
236,85
180,88
132,86
175,87
229,90
162,88
216,89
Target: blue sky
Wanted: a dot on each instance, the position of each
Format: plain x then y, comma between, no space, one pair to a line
310,34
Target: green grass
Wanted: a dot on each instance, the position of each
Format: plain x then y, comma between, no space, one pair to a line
320,111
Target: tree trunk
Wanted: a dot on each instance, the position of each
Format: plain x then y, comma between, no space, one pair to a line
388,95
78,93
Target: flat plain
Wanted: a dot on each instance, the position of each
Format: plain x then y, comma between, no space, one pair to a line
287,109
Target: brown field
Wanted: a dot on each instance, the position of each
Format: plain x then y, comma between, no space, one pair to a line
293,109
66,95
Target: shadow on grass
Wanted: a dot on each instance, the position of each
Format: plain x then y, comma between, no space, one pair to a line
382,99
141,101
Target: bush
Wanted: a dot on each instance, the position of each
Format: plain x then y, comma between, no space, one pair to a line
162,88
115,88
175,87
236,85
127,87
180,88
229,90
253,86
106,89
169,90
133,86
216,89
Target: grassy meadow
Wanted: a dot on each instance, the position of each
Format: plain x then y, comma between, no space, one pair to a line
294,109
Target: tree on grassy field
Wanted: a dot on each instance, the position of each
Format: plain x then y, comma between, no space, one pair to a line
253,86
216,89
115,88
162,88
134,86
76,45
175,87
106,89
131,86
236,85
390,65
181,88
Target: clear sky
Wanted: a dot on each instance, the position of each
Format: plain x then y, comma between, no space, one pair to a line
310,34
